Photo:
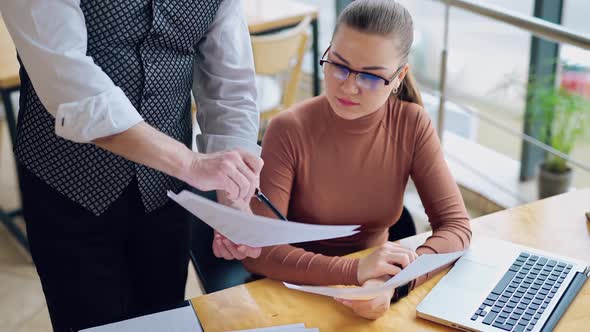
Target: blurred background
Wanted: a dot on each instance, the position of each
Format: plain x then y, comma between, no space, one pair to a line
510,96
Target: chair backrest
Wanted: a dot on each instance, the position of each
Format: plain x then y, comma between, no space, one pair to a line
404,227
215,273
276,53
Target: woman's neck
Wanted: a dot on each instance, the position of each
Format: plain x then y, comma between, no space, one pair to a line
358,124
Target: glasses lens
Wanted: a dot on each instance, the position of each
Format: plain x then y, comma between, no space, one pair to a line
339,72
368,81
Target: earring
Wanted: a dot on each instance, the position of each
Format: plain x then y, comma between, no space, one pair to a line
396,90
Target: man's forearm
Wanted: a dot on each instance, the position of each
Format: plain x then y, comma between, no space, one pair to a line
146,145
235,172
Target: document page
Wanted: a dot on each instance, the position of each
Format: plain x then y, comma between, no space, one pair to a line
175,320
256,231
422,265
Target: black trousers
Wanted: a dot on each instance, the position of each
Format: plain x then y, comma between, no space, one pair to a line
97,270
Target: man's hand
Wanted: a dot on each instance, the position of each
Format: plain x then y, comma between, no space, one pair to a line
237,173
240,205
370,309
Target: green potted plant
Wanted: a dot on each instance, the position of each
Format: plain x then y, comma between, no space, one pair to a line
566,116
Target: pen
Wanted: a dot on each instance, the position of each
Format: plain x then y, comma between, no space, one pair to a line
261,197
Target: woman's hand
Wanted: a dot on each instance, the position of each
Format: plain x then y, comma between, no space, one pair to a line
224,248
370,309
386,260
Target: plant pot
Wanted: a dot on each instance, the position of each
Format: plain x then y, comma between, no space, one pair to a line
551,183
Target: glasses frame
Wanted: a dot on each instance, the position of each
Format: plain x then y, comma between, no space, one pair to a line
357,72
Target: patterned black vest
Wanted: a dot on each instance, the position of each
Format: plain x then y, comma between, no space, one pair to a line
147,47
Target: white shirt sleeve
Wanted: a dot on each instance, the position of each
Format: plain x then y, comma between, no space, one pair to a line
51,40
224,84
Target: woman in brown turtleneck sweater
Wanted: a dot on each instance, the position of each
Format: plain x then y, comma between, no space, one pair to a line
345,158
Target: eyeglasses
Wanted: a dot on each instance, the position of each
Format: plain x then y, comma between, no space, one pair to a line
363,79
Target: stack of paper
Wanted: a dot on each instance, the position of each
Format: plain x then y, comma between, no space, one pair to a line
175,320
256,231
422,265
283,328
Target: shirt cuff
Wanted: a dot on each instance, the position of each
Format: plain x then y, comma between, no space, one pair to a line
207,143
106,114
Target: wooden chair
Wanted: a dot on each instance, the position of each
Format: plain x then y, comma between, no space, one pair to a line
1,132
403,228
278,54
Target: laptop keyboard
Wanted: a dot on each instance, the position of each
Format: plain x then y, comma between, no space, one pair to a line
523,293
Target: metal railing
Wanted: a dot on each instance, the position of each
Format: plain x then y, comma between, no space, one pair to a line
537,27
488,119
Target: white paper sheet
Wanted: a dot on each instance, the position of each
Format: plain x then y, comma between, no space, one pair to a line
256,231
176,320
422,265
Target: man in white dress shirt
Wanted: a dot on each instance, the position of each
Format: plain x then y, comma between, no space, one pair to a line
104,131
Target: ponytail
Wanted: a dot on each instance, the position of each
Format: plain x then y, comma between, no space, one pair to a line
408,90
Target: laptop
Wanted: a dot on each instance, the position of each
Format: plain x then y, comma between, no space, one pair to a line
501,286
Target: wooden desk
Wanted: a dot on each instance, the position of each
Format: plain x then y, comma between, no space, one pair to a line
265,16
9,83
557,224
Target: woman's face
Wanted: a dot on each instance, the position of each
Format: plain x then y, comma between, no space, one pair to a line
355,95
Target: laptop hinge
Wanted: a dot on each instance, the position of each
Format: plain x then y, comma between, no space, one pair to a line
566,298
